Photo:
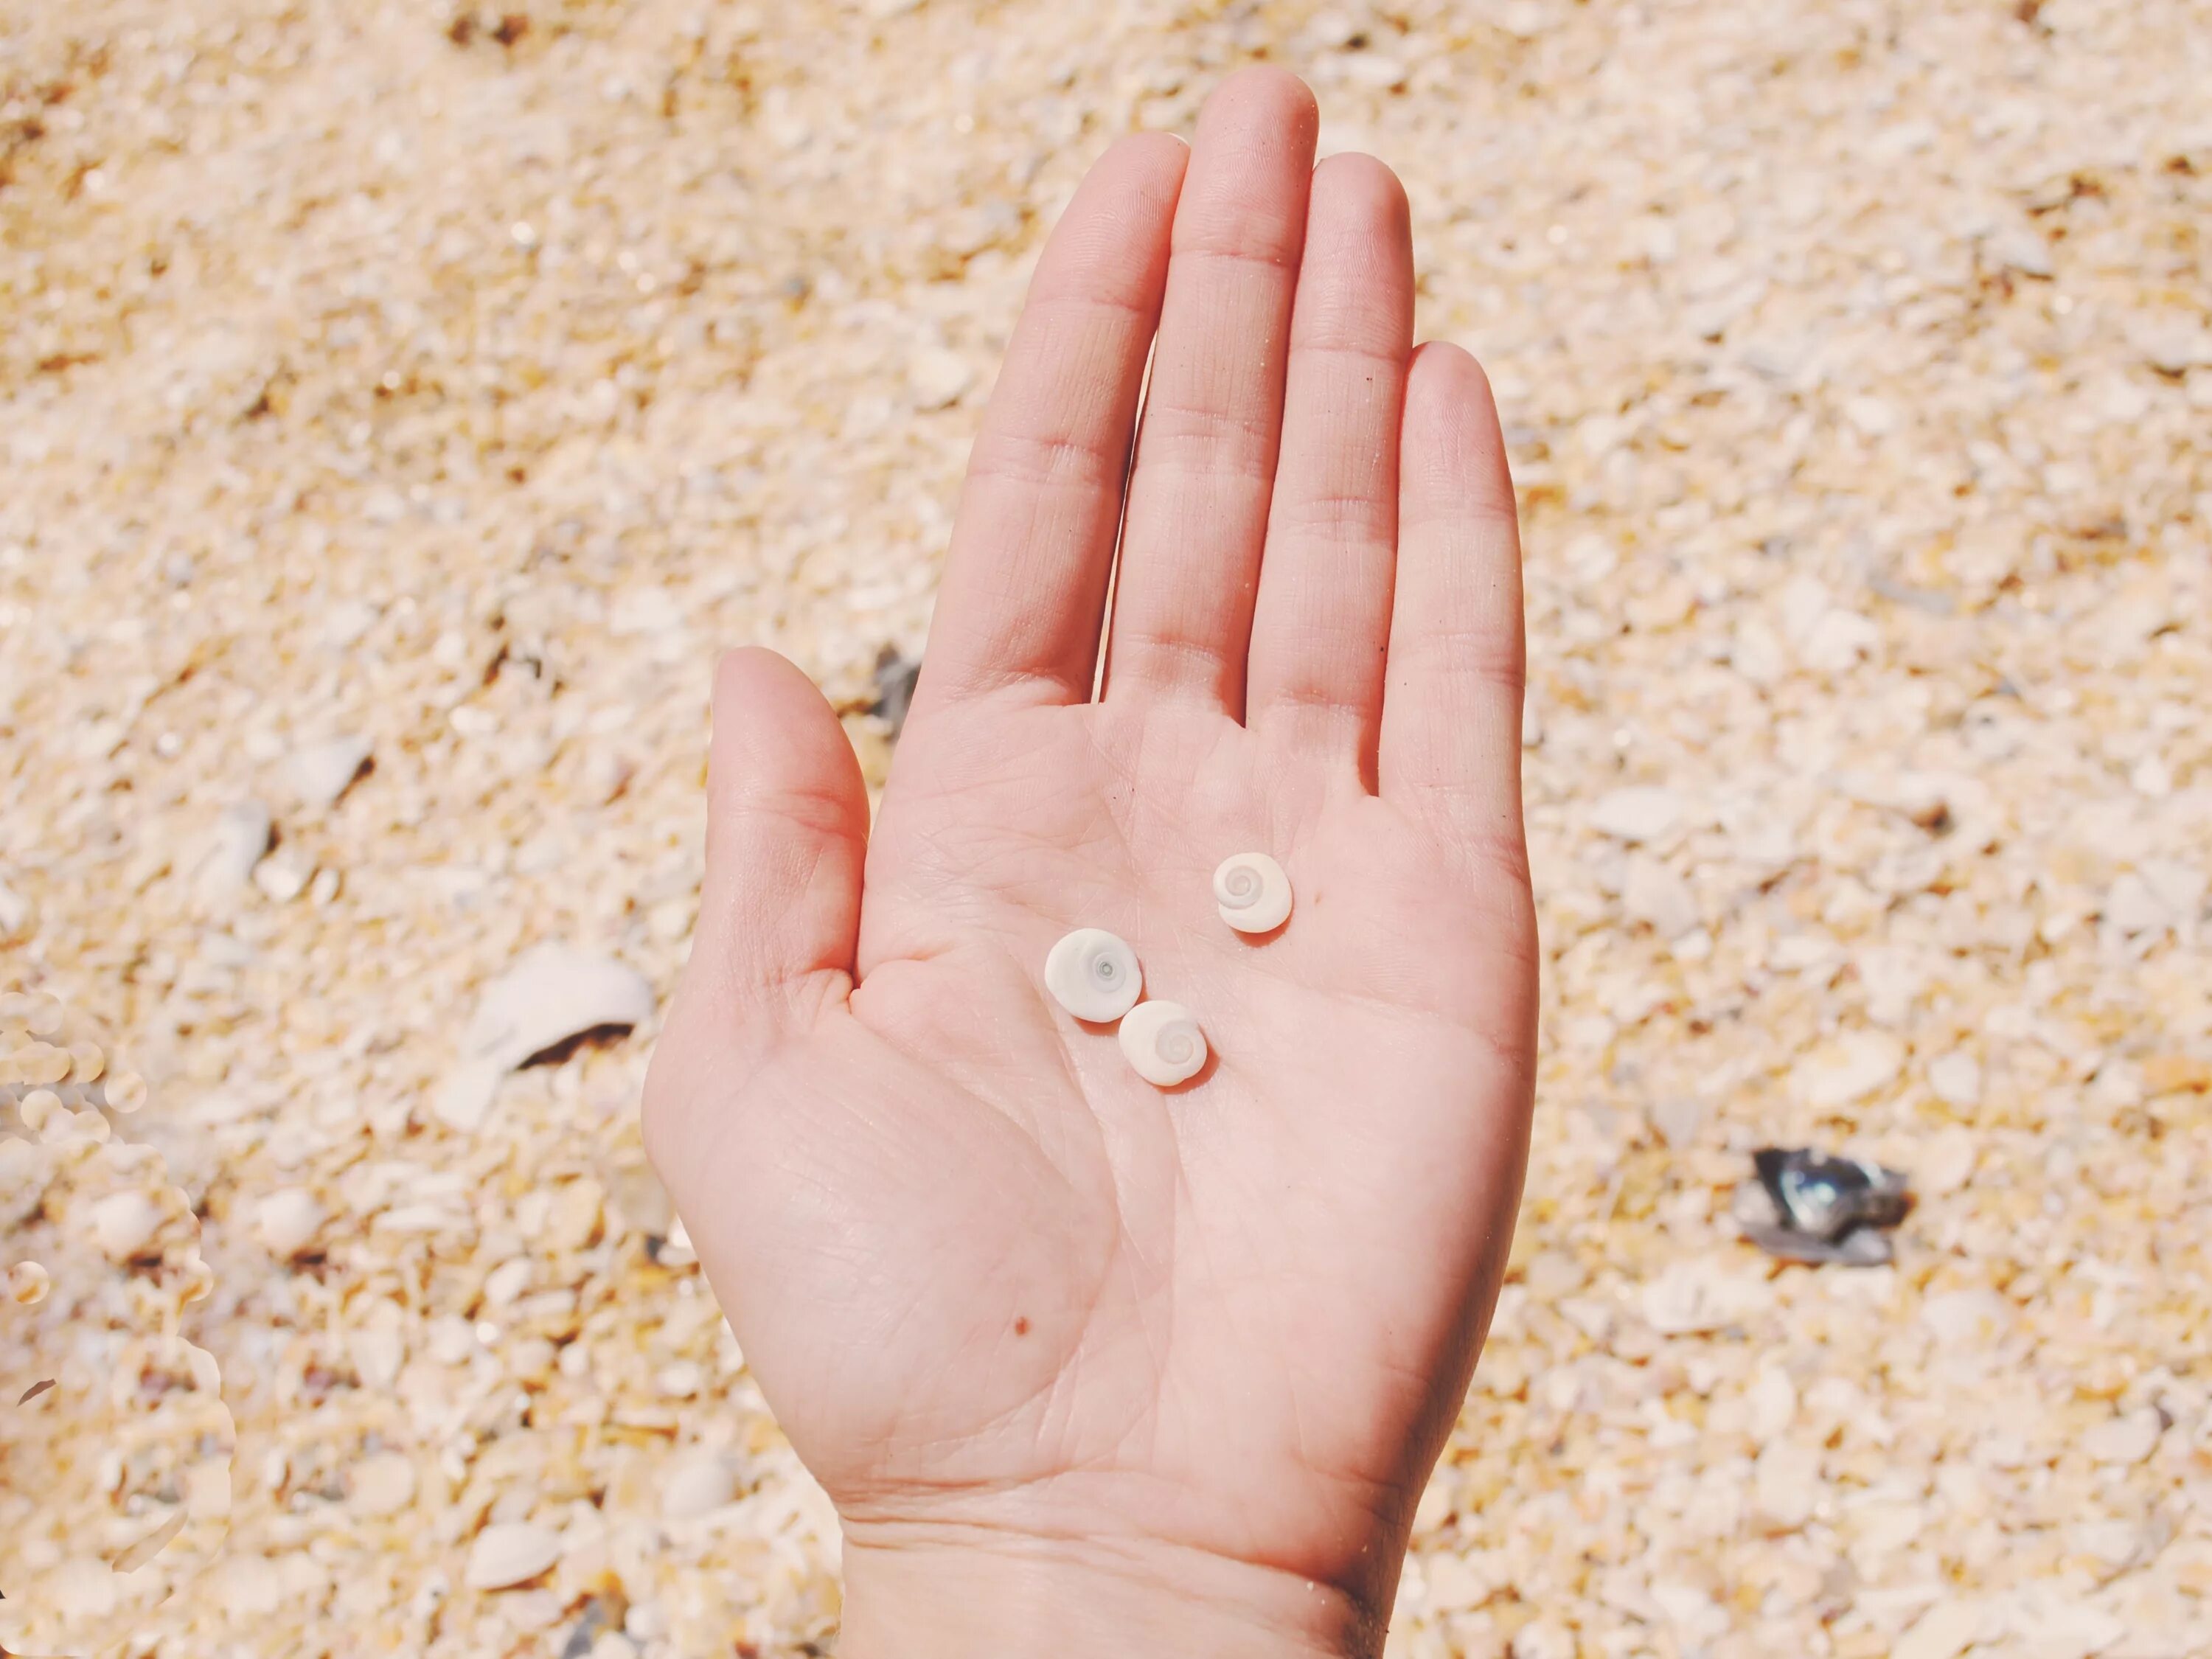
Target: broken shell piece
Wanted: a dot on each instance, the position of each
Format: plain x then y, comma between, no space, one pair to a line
1163,1043
1093,975
1252,893
1807,1206
552,995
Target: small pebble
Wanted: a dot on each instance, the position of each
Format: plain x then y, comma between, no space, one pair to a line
321,772
642,1200
510,1553
700,1483
1656,896
281,877
1956,1080
1850,1068
124,1223
681,1381
936,377
18,915
286,1222
1678,1119
1944,1631
2128,1438
381,1486
1638,814
463,1097
675,1249
346,622
504,1285
1947,1163
1786,1483
240,840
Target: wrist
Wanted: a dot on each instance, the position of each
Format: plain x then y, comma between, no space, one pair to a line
950,1597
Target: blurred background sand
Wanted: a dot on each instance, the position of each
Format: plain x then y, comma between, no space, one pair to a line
446,386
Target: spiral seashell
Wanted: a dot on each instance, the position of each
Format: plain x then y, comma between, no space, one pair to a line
1093,975
1252,893
1163,1041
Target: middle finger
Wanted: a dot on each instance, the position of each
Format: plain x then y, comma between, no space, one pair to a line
1205,464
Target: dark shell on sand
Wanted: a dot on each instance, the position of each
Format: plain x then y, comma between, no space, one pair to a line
1807,1206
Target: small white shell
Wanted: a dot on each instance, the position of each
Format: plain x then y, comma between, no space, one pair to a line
1252,893
1163,1043
1093,975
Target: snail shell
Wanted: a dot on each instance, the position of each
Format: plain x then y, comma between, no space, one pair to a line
1093,975
1163,1043
1252,893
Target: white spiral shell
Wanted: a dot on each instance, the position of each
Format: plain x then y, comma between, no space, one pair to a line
1093,975
1163,1043
1252,893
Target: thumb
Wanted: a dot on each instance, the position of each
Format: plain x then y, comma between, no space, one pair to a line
786,835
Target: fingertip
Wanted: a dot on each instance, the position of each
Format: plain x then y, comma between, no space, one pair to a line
1451,371
1157,158
1266,87
1364,184
753,685
740,665
776,738
786,837
1125,202
1454,445
1157,145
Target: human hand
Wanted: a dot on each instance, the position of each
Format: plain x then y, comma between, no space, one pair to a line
1087,1365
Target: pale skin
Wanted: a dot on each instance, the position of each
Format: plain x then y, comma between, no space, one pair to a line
1088,1366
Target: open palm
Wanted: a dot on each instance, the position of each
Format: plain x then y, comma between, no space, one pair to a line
1011,1302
